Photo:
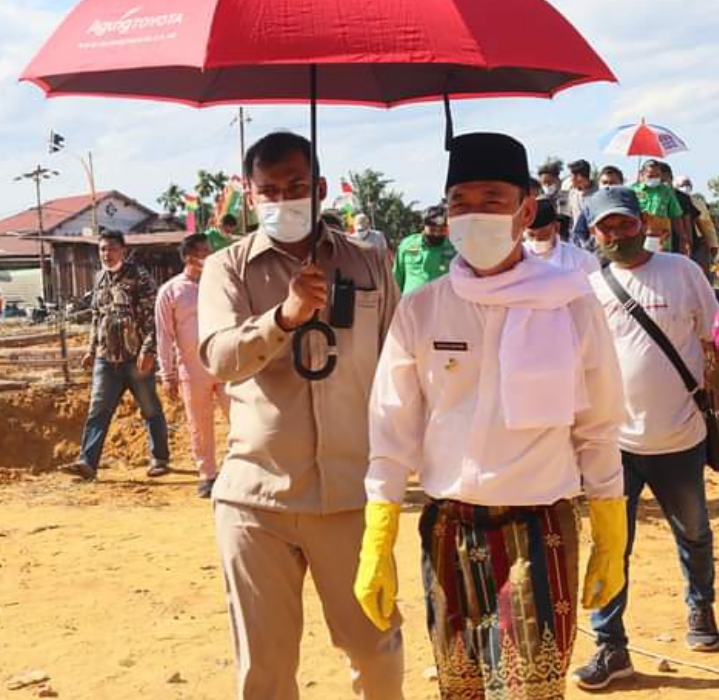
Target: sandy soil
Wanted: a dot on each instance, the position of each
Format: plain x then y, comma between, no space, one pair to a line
113,588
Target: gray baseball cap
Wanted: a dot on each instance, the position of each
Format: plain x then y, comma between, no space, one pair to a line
612,200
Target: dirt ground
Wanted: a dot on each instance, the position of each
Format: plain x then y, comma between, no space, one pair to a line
113,588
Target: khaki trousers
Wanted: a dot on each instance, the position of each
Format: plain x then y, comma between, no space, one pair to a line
265,556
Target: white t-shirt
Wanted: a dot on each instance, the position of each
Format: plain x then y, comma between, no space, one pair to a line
661,415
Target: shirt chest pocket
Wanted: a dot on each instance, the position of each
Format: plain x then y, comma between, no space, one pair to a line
358,347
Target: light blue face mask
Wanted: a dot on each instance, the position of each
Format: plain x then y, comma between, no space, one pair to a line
653,182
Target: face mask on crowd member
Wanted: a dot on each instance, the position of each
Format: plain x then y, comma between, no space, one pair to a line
616,221
280,195
549,178
435,225
581,174
542,234
112,251
652,174
488,204
684,184
193,251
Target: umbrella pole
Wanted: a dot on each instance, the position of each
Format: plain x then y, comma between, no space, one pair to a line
315,325
313,162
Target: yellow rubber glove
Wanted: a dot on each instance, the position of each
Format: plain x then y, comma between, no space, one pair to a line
605,569
376,581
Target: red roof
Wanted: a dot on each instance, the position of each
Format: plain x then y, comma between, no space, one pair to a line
54,213
58,211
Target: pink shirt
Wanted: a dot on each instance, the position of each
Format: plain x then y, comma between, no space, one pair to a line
177,331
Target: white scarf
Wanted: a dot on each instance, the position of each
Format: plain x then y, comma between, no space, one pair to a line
541,381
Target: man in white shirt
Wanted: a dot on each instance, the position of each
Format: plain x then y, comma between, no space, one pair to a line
663,436
542,239
364,233
499,385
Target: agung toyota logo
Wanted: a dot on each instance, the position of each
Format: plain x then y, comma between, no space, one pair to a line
134,20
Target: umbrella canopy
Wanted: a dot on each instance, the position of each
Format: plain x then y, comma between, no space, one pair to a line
206,52
643,140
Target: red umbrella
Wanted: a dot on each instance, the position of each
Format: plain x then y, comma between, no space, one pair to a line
205,52
374,52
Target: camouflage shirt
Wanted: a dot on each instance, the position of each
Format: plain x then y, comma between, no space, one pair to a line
123,314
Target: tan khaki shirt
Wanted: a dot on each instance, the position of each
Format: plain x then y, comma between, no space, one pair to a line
294,445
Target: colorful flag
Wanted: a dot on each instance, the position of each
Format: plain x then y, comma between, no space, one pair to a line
192,201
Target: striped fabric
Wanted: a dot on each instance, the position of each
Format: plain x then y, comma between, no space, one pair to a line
501,590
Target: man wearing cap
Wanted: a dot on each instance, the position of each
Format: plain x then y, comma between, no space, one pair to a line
423,257
499,385
364,233
542,239
663,435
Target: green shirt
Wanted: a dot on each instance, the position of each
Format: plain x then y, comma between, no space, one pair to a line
416,263
659,201
217,240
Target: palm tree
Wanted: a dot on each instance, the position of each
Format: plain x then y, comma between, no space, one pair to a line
172,199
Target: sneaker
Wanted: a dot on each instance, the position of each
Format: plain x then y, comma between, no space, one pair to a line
609,664
81,469
159,467
702,634
204,488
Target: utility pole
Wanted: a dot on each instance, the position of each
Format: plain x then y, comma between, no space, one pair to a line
37,176
90,172
57,143
242,120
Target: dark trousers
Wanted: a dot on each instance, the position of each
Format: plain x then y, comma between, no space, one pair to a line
109,383
677,482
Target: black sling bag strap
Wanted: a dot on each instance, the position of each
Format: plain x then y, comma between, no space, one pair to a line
700,396
636,310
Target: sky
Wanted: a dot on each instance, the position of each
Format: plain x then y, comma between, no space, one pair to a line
665,54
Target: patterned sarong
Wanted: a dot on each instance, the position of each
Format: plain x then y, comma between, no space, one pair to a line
501,590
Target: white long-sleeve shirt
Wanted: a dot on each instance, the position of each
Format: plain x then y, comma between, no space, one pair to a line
435,409
569,257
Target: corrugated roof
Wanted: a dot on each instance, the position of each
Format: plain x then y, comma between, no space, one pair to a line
58,211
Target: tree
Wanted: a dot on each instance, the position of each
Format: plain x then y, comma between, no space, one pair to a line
172,199
713,185
386,207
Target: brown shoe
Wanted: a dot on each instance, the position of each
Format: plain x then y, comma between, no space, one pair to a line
81,469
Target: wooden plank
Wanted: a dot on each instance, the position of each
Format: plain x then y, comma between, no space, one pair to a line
52,362
10,385
20,355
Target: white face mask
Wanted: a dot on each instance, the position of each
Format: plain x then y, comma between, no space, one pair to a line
653,181
550,190
287,222
687,189
113,268
653,244
483,240
540,247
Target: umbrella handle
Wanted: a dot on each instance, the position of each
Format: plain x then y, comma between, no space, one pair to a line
314,326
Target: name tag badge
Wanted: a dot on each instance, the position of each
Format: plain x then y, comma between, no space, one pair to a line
451,346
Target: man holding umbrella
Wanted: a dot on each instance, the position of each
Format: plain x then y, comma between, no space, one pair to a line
500,386
290,494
